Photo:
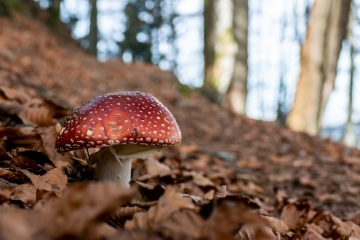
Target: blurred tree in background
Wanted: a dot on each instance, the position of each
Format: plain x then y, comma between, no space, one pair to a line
147,24
319,57
93,29
220,47
237,91
138,32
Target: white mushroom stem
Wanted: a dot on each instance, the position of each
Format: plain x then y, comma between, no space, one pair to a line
112,168
114,163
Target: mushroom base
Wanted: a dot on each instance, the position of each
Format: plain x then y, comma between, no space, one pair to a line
114,163
113,169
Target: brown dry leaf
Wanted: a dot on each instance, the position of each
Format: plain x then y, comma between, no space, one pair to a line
4,155
25,193
210,194
42,197
185,223
5,193
127,212
150,192
26,137
54,180
250,188
202,181
10,107
199,201
80,211
48,136
200,163
37,112
13,176
295,215
105,231
16,224
136,235
333,197
38,157
256,231
170,202
221,193
252,162
314,232
232,212
17,94
122,214
276,225
28,164
345,228
155,168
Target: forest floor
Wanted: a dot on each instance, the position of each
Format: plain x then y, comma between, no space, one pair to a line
232,177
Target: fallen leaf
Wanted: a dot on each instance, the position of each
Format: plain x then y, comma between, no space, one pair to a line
38,113
13,176
26,137
54,180
276,225
314,232
25,193
186,223
14,224
17,94
5,193
82,208
233,214
155,168
48,136
28,164
202,181
295,214
4,155
170,202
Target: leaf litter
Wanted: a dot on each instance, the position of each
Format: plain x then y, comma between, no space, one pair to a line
233,177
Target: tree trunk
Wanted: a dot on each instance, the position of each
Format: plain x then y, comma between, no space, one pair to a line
237,91
209,45
319,57
54,13
349,136
219,47
93,32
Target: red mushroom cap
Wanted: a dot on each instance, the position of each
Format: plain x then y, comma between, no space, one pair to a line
119,118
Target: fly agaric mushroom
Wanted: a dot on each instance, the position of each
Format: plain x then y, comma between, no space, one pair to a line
124,125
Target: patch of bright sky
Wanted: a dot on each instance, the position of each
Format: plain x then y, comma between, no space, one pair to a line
80,9
190,43
270,56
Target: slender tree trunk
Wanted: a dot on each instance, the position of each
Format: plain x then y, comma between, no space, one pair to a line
209,45
319,57
237,91
338,20
349,136
218,76
54,11
93,32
